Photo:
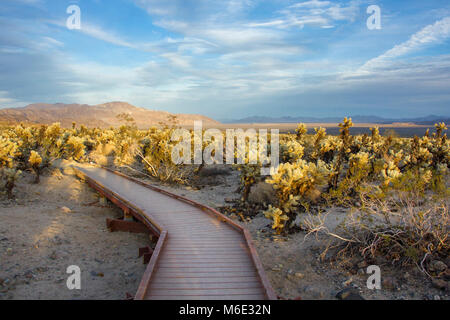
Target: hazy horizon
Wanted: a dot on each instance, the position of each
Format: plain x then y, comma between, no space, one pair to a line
230,59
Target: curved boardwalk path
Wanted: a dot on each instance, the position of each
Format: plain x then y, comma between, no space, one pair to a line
200,254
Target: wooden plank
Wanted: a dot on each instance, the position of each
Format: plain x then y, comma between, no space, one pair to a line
149,271
166,273
163,264
221,247
203,252
203,259
212,271
270,293
193,291
205,285
157,281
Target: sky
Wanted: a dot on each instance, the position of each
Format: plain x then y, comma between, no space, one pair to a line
230,59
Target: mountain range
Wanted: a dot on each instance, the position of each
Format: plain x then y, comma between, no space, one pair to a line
102,115
428,120
106,115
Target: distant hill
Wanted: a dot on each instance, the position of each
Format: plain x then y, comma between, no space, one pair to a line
428,120
102,115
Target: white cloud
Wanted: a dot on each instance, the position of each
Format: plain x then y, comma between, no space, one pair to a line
98,33
311,4
177,60
315,13
431,34
7,102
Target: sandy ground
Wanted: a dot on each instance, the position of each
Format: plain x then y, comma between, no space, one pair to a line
38,241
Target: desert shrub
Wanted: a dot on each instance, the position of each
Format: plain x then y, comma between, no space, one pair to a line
35,162
296,183
402,229
9,177
249,176
157,156
8,151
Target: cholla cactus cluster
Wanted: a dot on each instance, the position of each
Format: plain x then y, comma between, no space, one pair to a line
34,148
328,170
155,153
297,182
278,218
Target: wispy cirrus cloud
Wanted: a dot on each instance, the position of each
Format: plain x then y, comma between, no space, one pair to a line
323,14
432,34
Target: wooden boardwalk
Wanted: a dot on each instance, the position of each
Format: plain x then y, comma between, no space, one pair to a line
200,254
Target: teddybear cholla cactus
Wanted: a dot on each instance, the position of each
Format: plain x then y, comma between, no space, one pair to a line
9,176
296,183
35,162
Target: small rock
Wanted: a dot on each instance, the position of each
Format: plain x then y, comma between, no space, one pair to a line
9,251
262,192
276,269
41,269
440,284
388,283
437,266
66,210
97,274
68,171
228,200
349,294
436,297
299,275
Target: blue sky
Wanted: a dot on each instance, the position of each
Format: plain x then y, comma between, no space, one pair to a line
230,58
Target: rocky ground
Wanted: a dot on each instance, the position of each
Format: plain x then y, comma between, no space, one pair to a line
60,222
